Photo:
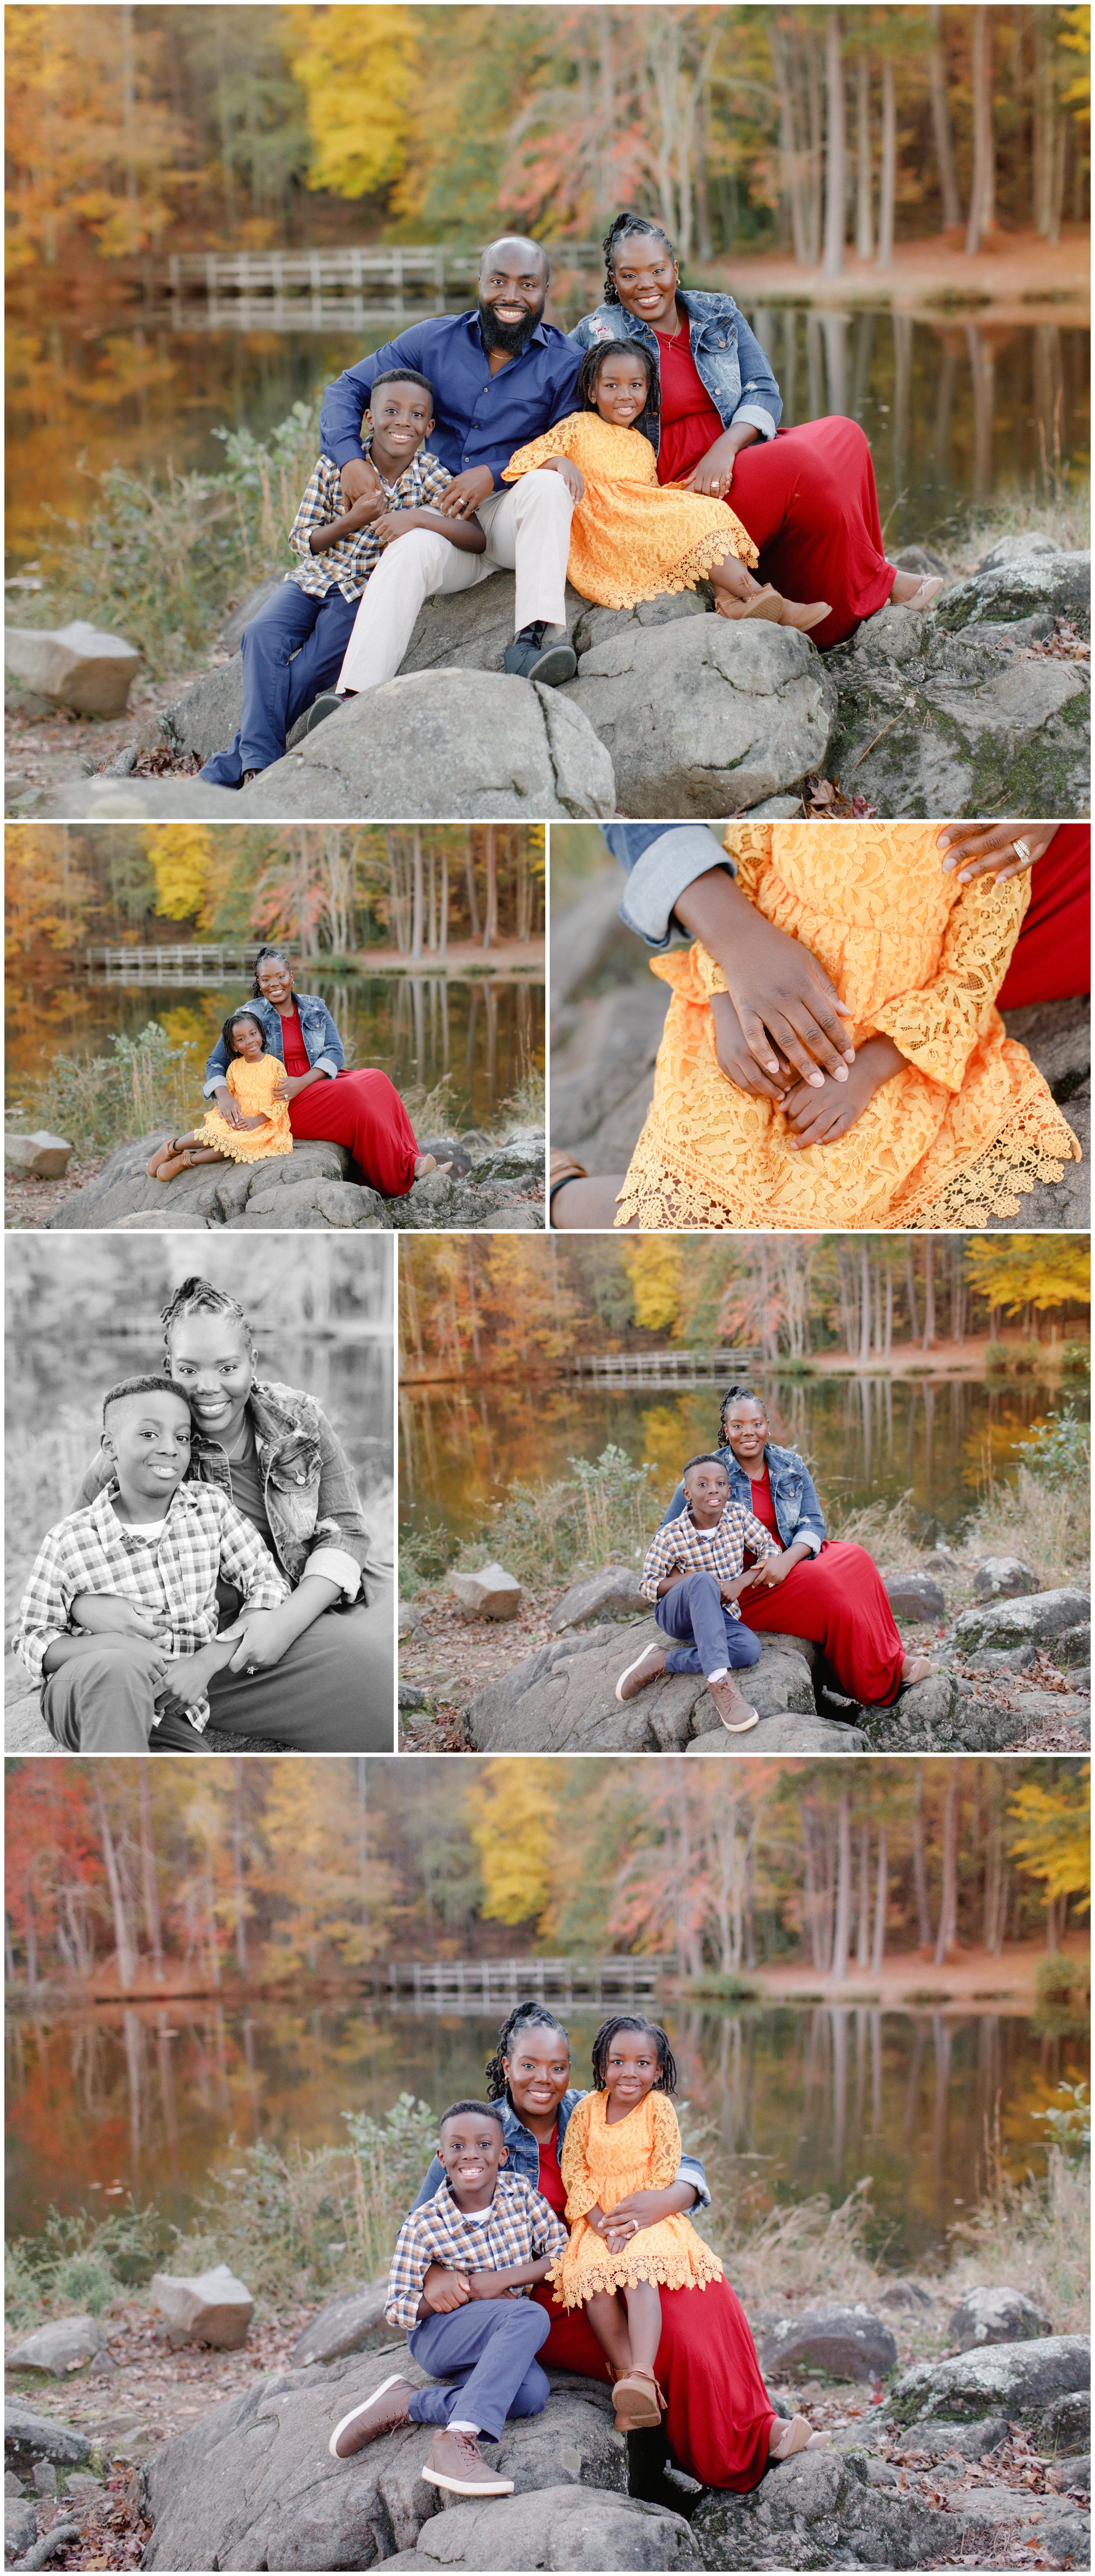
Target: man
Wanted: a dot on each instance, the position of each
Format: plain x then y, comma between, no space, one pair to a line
501,376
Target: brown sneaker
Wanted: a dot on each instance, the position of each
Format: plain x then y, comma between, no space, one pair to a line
383,2412
647,1667
457,2464
735,1715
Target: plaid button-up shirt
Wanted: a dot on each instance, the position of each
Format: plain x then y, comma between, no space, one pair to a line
680,1547
520,2228
173,1576
350,563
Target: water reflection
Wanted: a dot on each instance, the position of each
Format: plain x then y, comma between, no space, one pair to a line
788,2100
959,409
485,1032
867,1439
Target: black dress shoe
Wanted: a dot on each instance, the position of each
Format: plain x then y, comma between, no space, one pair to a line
551,664
327,704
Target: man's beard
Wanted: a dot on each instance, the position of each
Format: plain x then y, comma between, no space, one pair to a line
510,336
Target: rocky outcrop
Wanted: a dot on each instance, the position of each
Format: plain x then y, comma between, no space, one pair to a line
29,2438
613,1593
1016,2380
996,2315
562,1700
355,2322
823,2509
915,1596
306,1189
63,2345
75,666
1004,1578
204,2307
703,716
555,2527
449,744
1036,1620
844,2342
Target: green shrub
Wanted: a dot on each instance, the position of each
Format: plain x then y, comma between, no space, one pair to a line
1055,1977
997,1356
101,1101
1059,1449
1075,1359
1069,2123
80,2263
298,2224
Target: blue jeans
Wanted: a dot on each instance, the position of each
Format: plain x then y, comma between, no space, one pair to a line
711,1639
487,2351
292,649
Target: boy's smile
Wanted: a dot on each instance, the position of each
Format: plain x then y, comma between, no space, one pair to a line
148,1438
471,2149
707,1491
400,416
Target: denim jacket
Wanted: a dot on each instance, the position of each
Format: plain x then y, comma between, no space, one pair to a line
322,1043
728,358
524,2153
794,1500
316,1520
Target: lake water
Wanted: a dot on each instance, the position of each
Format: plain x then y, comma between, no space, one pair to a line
485,1031
794,2099
866,1439
951,403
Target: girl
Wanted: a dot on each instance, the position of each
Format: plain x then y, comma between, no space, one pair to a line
253,1078
621,2139
937,1119
630,539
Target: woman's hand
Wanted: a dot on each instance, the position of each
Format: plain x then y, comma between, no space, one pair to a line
443,2290
568,473
773,1570
715,472
988,849
820,1117
264,1637
734,1059
230,1110
787,1008
647,2208
289,1085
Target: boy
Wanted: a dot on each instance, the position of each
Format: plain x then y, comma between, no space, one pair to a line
460,2272
312,615
119,1619
693,1575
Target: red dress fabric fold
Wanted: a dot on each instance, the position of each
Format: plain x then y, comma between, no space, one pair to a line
362,1111
806,496
1051,959
838,1600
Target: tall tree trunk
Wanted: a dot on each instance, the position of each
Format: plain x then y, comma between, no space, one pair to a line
910,1293
237,1864
881,1894
929,1294
887,177
864,207
418,894
148,1875
443,906
843,1923
490,925
950,201
469,879
836,159
983,188
948,1901
920,1872
863,1925
124,1949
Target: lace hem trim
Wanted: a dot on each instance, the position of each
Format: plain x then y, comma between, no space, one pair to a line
1034,1146
625,2271
692,567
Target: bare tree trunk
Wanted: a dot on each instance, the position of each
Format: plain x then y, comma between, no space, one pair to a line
836,159
941,127
784,50
887,177
929,1295
443,908
148,1875
983,188
124,1950
843,1923
910,1293
237,1864
948,1901
863,1925
490,926
864,210
920,1873
416,925
469,879
881,1894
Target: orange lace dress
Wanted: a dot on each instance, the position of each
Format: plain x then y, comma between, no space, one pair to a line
630,537
601,2165
957,1136
252,1086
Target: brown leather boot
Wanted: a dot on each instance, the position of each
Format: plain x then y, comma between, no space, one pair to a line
457,2464
383,2412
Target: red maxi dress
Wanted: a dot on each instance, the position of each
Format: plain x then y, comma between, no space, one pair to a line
806,496
718,2412
838,1599
1051,959
362,1110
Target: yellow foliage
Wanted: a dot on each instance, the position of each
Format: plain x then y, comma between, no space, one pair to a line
358,69
1054,1840
655,1268
1041,1270
181,855
46,896
511,1809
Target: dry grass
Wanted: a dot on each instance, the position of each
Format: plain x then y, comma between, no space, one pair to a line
805,2252
1048,1523
1032,2236
886,1530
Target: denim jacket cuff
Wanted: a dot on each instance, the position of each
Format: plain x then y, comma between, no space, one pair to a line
810,1538
336,1565
326,1064
211,1088
666,869
756,416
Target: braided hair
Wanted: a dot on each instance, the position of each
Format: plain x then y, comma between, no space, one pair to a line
620,229
523,2017
198,1296
269,952
665,2080
738,1395
595,358
230,1047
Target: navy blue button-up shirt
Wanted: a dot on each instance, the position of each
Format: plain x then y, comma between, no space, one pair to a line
479,419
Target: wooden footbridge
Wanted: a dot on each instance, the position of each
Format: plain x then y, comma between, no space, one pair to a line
179,961
658,1368
351,288
480,1985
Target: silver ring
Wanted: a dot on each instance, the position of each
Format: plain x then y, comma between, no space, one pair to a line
1023,851
250,1670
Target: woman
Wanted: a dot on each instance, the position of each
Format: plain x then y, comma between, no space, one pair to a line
314,1676
361,1110
806,496
718,2419
817,1587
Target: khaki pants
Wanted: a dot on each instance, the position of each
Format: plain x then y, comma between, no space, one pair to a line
527,527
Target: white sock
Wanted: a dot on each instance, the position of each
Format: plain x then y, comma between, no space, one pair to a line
459,2424
721,1676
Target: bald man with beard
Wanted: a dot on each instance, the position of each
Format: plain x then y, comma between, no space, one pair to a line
501,375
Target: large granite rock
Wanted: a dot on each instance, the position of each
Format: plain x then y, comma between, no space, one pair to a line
940,1716
703,716
939,714
822,2509
58,2348
1040,1618
489,1593
915,1596
556,2527
75,666
351,2323
450,743
1004,1578
1017,2380
105,799
613,1592
203,2307
996,2315
562,1700
39,1156
29,2438
305,1190
845,2342
252,2484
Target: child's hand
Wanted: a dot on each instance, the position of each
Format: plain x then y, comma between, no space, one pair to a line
262,1119
443,2290
819,1117
368,509
568,473
735,1061
105,1614
397,523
